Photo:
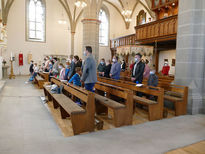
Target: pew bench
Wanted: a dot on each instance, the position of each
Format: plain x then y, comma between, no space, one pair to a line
155,108
82,119
44,75
40,81
178,95
122,112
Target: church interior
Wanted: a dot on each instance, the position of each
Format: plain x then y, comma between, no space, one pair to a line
77,76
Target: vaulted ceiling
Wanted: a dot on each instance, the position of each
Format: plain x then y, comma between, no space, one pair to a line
74,13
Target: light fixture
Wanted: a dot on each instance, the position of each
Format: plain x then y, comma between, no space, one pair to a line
80,3
127,13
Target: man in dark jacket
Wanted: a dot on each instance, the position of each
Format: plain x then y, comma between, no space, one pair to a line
138,69
107,69
31,68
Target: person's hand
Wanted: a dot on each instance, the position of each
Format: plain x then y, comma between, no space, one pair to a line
103,73
110,75
133,79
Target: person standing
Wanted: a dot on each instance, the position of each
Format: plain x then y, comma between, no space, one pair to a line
146,70
123,65
31,68
101,67
166,68
115,69
107,69
89,76
138,69
75,63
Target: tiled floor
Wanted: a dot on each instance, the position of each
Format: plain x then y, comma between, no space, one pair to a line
26,127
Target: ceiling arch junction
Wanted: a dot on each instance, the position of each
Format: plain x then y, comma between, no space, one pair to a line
74,13
5,7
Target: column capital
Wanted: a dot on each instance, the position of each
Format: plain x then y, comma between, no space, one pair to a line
90,21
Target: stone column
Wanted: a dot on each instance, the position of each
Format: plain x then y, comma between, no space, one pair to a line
91,35
1,67
72,42
91,26
190,55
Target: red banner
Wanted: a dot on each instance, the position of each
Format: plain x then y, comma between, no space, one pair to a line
20,59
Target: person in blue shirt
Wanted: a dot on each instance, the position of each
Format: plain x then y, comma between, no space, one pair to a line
76,82
76,78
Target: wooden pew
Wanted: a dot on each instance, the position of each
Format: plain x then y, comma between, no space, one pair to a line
40,81
82,119
179,96
44,75
155,108
122,112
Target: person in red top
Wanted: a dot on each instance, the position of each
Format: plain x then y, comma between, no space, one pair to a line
166,68
132,65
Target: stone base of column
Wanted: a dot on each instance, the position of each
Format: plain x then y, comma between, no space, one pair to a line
196,103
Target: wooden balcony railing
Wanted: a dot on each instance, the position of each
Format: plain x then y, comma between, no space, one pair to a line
122,41
163,29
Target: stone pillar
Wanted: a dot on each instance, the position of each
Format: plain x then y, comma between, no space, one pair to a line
91,26
1,67
72,42
190,55
91,35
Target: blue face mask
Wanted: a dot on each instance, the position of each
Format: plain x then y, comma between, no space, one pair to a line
102,62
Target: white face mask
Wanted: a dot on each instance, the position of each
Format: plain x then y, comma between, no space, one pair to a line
60,67
151,72
136,60
67,66
114,60
84,53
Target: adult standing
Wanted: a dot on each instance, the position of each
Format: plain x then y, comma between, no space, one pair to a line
31,68
115,69
147,69
107,69
101,67
55,69
89,76
138,69
75,63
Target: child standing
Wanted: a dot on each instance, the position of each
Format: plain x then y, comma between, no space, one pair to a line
76,78
76,82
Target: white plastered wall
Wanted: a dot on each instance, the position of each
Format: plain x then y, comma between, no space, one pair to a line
57,36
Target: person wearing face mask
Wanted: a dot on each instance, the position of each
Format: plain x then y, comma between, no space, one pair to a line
107,69
153,79
62,71
67,69
115,69
138,69
101,67
166,68
89,76
55,69
75,63
146,70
